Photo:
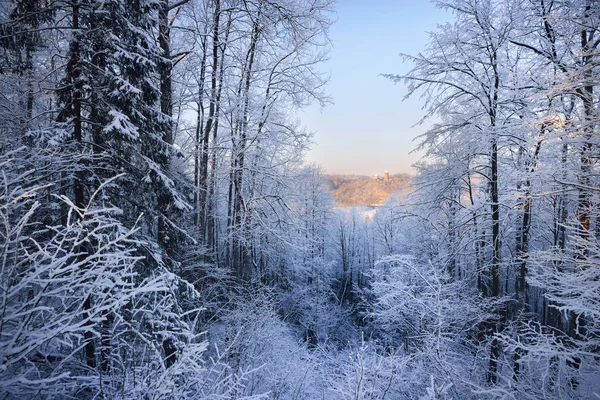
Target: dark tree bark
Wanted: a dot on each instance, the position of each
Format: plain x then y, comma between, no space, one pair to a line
239,245
203,173
74,75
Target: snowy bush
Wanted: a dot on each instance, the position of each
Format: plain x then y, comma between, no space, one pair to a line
79,315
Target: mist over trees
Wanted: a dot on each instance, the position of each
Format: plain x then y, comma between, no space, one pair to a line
161,237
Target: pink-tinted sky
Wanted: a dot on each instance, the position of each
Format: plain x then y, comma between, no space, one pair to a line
369,128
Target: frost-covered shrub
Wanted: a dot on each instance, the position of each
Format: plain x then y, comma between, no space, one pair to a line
258,344
430,317
79,314
368,373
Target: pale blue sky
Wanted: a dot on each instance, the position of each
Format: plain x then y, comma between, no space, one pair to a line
368,129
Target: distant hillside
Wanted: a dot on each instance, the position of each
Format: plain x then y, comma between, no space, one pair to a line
360,190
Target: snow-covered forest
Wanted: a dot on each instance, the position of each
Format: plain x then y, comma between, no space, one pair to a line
162,238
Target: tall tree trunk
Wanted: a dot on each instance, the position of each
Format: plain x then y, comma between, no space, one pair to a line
212,184
239,242
203,175
198,206
166,68
495,209
74,71
495,292
166,107
165,234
